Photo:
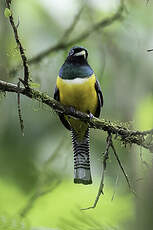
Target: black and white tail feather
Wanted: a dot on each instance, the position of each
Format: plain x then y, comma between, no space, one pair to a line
82,172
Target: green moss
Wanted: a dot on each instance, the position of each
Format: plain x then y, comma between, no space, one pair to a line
7,13
34,85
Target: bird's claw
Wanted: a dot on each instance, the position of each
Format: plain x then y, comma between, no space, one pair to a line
72,109
91,116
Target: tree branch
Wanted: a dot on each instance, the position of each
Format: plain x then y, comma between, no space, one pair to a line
122,168
19,45
70,29
121,131
105,158
63,43
150,50
19,111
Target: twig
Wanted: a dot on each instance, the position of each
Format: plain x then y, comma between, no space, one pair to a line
19,45
122,168
120,130
19,111
105,158
18,23
120,164
100,191
70,29
150,50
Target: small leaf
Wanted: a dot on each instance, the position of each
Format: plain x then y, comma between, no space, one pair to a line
7,12
34,85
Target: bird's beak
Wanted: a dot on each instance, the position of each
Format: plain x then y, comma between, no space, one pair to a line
81,53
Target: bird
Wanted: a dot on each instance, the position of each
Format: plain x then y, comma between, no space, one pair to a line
78,88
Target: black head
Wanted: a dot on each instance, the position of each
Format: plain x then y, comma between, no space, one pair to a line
76,64
78,54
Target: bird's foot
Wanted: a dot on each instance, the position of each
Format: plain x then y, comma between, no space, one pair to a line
91,116
72,109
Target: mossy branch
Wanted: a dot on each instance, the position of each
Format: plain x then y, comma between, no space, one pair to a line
126,135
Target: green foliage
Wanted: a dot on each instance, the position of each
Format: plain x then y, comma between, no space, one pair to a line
7,13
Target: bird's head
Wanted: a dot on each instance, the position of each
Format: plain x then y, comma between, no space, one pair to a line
78,54
76,64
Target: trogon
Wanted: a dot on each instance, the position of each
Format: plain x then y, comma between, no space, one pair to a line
77,87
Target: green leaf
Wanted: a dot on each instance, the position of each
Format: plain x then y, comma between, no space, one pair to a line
7,12
34,85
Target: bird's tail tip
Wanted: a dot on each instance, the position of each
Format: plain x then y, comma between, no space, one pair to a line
82,176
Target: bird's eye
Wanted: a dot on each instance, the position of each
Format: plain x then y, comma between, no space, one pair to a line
71,52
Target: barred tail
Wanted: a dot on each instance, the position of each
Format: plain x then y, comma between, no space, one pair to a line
82,172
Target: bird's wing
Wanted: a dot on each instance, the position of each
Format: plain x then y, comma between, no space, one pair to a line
61,116
100,98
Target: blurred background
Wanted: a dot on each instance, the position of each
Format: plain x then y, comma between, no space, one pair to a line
36,171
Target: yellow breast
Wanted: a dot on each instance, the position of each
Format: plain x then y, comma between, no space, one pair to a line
79,93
